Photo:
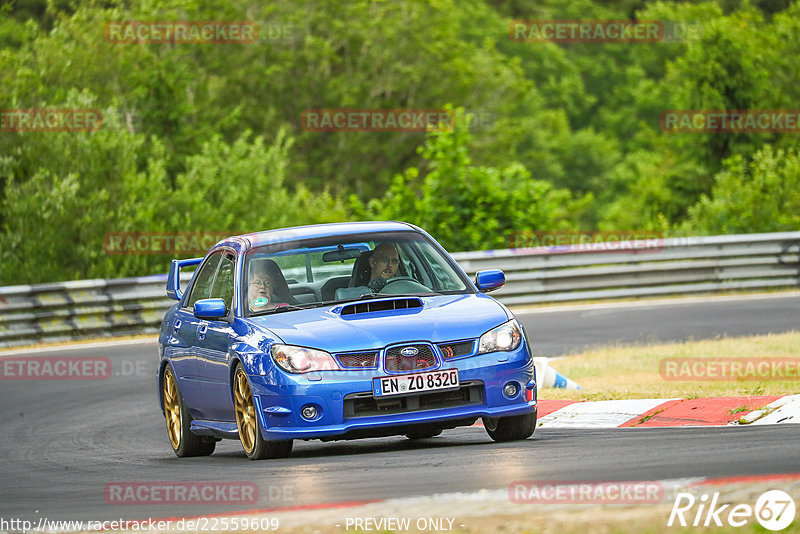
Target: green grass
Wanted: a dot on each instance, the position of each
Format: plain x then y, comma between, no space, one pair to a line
633,371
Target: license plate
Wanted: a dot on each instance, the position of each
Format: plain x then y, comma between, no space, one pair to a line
415,383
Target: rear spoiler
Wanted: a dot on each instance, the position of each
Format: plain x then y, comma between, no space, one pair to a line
174,276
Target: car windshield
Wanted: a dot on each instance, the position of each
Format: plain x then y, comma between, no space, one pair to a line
314,272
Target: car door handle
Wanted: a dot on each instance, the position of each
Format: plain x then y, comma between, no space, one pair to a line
176,326
201,332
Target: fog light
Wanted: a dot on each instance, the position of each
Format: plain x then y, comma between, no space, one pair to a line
309,412
510,390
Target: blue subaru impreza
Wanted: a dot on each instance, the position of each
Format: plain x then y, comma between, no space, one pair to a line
338,331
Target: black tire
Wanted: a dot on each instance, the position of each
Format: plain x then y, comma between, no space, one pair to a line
183,442
249,425
512,428
423,434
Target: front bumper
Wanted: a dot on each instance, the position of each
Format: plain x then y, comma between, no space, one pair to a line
280,397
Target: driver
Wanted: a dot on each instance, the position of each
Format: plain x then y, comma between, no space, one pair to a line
384,263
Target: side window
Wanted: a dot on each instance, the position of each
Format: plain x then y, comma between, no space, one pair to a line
223,284
202,286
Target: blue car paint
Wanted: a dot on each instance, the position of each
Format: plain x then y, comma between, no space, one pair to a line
177,343
292,392
441,318
203,353
490,280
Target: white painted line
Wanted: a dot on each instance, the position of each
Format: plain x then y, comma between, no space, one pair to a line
599,414
784,410
544,308
79,346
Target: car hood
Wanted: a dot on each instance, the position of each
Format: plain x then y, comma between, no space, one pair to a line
441,318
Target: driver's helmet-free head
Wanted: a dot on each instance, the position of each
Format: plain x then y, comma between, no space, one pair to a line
384,261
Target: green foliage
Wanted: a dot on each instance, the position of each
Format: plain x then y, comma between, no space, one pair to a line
734,60
208,137
240,188
56,224
470,207
762,195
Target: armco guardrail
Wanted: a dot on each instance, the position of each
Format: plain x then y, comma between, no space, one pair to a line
82,309
658,267
99,308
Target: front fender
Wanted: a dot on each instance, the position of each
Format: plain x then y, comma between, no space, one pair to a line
251,348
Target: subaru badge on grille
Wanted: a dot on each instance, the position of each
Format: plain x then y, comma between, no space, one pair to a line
409,352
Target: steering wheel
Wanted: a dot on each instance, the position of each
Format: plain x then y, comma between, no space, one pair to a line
409,285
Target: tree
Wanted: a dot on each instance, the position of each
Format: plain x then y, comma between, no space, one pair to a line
762,195
469,207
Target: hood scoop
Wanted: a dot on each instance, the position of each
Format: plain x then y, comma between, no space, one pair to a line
381,305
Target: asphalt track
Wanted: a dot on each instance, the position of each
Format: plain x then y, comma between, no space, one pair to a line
63,441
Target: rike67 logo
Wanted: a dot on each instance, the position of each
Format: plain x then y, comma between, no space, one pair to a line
774,510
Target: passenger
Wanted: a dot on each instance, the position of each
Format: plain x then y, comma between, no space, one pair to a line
262,290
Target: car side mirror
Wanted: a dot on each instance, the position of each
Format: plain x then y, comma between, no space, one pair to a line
490,280
210,309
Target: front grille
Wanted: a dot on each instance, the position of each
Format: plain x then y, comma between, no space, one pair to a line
456,349
358,360
365,405
396,362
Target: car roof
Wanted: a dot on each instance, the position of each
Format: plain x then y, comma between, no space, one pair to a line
322,230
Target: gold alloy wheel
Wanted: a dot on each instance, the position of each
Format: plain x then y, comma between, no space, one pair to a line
245,412
172,409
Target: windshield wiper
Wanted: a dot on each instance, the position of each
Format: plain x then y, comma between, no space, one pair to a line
365,296
287,307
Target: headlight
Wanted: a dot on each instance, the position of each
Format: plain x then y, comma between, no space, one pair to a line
302,360
505,337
